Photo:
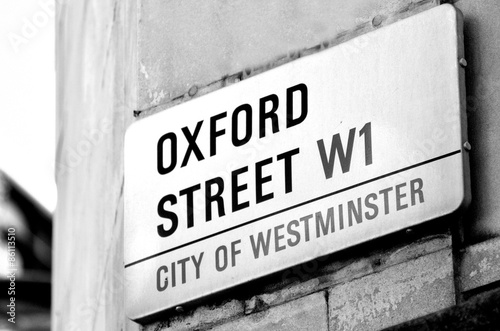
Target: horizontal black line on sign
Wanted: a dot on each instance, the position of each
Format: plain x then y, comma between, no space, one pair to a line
294,206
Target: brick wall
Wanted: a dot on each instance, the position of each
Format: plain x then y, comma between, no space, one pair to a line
369,287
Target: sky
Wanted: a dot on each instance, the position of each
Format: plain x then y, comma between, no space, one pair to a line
27,96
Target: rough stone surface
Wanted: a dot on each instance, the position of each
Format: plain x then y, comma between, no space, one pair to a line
307,313
395,295
480,265
201,317
479,314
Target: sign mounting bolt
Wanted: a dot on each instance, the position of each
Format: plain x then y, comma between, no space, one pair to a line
463,62
193,90
467,146
377,20
179,309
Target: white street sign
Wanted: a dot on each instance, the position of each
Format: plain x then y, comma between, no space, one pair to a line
323,153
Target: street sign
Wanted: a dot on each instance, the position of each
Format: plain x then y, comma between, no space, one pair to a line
323,153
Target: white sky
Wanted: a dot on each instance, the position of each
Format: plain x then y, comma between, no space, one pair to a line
27,96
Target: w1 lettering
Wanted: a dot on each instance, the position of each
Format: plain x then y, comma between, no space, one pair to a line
345,154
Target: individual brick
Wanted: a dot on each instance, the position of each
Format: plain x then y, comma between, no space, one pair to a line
306,313
397,294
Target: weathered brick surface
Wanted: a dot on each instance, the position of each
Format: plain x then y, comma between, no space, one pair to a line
312,276
479,314
397,294
307,313
201,317
480,265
